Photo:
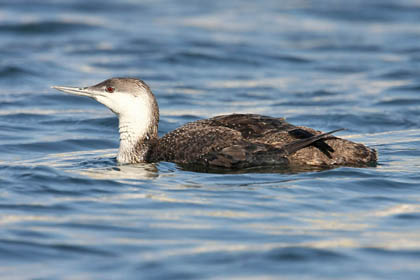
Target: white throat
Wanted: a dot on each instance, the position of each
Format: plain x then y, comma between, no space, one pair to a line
134,125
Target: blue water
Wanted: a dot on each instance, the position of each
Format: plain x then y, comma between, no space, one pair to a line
68,211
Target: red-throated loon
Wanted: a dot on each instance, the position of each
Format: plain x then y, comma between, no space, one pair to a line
228,141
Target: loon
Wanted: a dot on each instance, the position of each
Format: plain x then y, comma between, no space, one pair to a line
233,141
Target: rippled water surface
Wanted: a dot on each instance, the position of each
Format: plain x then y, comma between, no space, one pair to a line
68,211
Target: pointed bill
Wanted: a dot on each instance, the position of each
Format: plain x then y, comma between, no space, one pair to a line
76,91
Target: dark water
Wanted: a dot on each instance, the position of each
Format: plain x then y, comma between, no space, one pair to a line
67,211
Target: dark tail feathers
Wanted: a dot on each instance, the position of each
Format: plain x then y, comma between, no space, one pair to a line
302,143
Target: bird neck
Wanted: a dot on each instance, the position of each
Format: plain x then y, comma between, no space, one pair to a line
137,136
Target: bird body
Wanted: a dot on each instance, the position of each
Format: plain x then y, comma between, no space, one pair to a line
248,140
233,141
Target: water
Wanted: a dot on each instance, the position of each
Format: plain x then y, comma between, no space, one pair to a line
67,211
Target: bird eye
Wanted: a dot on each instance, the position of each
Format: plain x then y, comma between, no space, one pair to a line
110,89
